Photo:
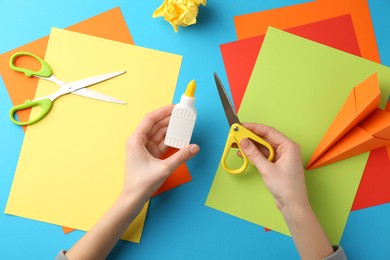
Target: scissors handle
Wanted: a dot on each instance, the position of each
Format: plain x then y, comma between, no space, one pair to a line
45,105
44,72
236,134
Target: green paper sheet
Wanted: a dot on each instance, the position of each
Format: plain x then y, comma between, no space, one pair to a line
298,87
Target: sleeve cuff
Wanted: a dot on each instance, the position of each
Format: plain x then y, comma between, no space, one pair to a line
337,255
61,255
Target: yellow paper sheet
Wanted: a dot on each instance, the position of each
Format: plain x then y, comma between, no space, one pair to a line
71,165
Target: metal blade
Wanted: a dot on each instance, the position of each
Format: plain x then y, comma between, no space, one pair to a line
80,84
92,80
97,95
227,106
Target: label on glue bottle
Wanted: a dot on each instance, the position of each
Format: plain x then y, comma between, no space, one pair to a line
182,121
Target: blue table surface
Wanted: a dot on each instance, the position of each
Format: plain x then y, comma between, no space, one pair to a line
178,224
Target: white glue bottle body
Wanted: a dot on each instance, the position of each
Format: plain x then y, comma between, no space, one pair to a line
182,121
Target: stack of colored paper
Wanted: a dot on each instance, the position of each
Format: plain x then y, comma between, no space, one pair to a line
71,165
298,81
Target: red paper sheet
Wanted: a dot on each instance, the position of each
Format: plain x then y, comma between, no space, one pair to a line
239,59
375,184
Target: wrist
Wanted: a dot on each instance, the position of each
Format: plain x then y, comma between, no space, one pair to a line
295,212
309,237
133,198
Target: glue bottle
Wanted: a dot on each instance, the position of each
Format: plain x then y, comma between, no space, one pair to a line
182,121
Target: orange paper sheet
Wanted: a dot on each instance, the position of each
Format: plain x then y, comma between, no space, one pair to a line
254,24
100,26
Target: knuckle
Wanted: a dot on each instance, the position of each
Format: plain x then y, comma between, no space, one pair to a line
295,147
252,152
129,141
134,140
271,129
166,169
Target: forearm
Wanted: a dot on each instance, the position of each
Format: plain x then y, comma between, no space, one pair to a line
98,242
307,233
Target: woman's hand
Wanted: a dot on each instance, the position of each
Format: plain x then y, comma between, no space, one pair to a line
145,171
284,177
144,174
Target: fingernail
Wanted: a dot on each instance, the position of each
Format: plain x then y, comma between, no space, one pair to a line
245,143
194,149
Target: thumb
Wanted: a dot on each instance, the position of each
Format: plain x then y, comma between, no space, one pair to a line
253,154
182,155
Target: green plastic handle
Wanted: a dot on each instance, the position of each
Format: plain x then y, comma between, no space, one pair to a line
45,70
45,105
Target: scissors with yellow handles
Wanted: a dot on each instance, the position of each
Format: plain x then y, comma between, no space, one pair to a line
237,132
46,103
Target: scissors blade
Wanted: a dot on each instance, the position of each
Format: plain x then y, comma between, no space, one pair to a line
79,84
227,106
97,95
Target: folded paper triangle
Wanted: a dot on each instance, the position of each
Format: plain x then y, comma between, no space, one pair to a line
372,133
359,126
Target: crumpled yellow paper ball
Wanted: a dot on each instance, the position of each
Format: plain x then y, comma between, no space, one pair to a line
179,12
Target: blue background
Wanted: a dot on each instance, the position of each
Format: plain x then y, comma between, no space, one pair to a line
178,224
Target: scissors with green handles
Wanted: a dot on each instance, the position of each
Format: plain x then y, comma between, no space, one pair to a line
237,132
46,103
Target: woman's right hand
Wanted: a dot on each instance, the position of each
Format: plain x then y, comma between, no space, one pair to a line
284,176
285,179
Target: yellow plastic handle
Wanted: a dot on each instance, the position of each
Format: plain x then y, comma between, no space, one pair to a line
236,134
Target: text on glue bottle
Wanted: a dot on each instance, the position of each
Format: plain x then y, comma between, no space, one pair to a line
182,121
